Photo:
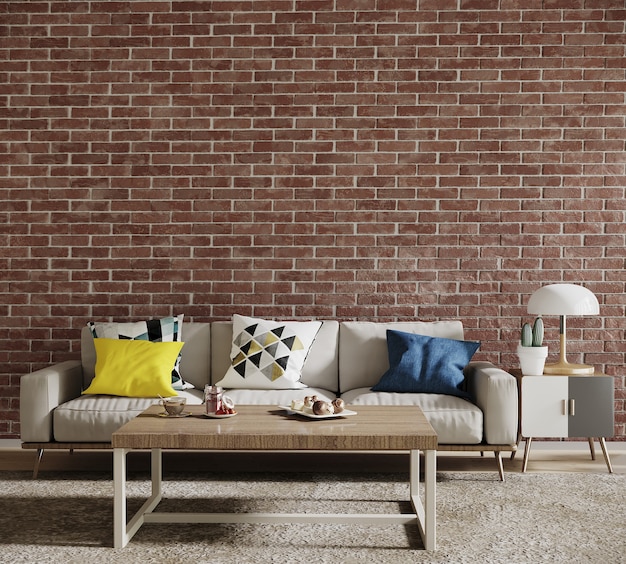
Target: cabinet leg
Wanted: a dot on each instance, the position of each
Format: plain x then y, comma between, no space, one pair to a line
529,440
606,454
592,448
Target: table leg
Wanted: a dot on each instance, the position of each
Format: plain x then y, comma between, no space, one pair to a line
430,483
414,469
123,531
120,538
426,511
156,471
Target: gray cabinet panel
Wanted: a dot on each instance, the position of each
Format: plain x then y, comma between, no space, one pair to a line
593,406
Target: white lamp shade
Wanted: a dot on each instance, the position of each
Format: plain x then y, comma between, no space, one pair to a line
563,299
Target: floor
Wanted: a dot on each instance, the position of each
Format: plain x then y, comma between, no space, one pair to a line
545,456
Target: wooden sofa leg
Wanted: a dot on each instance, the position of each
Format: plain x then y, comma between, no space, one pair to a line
37,462
519,438
500,467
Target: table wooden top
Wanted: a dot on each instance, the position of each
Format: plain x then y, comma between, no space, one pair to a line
262,427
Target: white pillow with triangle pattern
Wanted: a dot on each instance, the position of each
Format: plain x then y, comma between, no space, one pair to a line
268,355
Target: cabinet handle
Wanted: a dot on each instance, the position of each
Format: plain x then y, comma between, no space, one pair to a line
572,407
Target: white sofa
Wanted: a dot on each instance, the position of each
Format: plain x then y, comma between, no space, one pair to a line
346,359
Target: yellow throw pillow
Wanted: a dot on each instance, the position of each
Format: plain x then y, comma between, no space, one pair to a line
132,368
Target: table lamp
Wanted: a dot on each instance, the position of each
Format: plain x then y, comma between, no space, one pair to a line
563,300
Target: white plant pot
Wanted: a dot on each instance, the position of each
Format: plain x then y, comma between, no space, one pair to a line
532,359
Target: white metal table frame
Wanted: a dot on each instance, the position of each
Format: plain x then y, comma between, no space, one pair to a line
424,513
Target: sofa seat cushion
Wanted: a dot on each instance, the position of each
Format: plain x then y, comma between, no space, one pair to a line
94,418
275,397
455,420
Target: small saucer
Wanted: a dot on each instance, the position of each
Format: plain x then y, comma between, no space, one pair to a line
183,414
220,416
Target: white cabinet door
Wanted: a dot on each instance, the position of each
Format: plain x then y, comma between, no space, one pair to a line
544,406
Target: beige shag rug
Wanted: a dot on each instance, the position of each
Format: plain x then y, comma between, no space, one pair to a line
529,518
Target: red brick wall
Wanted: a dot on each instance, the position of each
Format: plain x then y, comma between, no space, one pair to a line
372,159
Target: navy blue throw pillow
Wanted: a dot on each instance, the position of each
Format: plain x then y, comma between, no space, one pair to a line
427,365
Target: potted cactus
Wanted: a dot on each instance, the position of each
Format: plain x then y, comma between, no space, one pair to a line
531,352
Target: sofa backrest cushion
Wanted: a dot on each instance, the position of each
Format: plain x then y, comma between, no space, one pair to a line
320,369
195,362
195,365
363,357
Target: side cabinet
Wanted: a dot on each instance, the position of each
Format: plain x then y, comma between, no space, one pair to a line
567,406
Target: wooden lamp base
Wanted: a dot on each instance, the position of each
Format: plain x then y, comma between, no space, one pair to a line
567,369
562,366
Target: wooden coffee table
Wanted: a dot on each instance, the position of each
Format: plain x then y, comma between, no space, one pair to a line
264,428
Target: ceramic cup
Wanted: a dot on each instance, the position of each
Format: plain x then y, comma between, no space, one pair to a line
174,405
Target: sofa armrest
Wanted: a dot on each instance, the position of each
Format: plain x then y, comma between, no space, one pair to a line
41,392
495,392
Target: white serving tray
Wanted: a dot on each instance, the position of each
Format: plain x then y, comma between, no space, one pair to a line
344,413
